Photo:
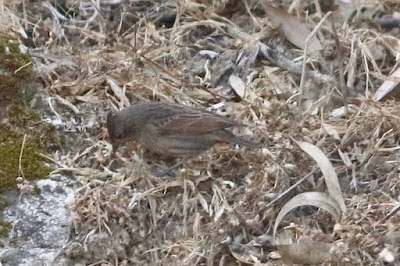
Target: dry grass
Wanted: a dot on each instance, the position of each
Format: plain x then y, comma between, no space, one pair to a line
215,210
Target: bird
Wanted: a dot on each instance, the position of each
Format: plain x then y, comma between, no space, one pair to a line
170,129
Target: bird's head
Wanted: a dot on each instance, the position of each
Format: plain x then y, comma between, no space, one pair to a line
115,130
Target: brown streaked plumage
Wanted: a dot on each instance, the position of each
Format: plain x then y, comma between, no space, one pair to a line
171,129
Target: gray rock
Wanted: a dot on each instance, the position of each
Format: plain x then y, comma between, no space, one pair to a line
40,222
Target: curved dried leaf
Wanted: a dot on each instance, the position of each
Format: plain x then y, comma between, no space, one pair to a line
317,199
331,179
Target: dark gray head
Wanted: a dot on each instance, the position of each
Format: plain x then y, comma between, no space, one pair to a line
118,129
122,126
114,131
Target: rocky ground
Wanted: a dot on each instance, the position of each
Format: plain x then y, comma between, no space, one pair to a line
314,82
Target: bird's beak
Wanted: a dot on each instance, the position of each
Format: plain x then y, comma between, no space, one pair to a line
115,146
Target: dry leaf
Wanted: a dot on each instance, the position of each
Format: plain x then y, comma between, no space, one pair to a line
317,199
295,31
119,93
306,252
387,86
344,111
238,85
331,179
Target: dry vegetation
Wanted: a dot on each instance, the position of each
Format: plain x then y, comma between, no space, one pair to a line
219,208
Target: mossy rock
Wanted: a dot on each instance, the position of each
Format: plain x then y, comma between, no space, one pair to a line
15,69
22,120
4,228
22,116
15,84
32,164
25,119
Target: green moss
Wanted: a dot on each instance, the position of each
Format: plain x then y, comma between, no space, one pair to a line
4,228
32,163
15,76
15,68
28,121
20,115
13,61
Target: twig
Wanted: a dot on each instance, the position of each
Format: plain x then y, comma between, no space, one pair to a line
57,15
343,87
67,103
291,188
303,70
52,108
182,82
21,172
391,214
287,64
279,59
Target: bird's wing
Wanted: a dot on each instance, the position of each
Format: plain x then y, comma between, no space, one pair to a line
193,123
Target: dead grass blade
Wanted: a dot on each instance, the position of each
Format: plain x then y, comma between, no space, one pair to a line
317,199
331,180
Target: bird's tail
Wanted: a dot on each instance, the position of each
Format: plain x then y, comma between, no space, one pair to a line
227,136
245,142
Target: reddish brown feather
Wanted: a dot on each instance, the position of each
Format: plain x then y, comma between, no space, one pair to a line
194,123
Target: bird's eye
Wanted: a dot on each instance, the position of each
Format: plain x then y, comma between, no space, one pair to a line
118,136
